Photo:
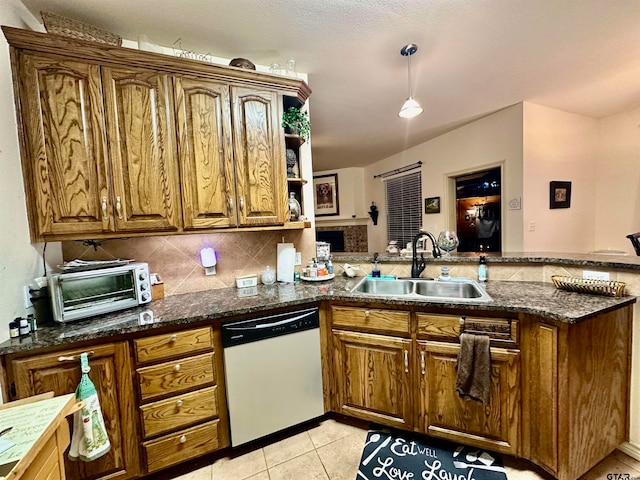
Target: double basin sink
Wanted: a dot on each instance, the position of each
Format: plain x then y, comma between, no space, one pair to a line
452,290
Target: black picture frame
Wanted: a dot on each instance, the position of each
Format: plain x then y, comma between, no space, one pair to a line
432,205
325,195
559,194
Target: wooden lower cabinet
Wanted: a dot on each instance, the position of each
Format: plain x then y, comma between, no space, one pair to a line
372,373
181,396
59,372
443,413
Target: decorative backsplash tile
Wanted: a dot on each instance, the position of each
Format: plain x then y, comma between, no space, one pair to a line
176,258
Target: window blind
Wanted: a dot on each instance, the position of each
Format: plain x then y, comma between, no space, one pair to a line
404,207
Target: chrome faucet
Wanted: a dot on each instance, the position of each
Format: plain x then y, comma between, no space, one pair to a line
418,268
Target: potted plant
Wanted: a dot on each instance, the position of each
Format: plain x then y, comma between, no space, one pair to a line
297,122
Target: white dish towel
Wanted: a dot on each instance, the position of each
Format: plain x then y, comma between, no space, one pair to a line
89,439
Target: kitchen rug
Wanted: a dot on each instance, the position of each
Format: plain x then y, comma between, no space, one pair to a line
391,455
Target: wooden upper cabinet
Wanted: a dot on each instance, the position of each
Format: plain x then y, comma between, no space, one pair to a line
259,157
66,175
206,153
142,149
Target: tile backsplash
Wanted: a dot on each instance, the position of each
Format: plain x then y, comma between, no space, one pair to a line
176,258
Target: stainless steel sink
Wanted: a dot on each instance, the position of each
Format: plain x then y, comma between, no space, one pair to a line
453,290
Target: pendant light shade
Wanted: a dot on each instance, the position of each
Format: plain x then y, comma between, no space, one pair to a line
411,108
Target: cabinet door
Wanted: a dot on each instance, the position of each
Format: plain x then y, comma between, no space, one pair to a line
206,153
141,149
64,157
372,375
443,413
111,375
260,164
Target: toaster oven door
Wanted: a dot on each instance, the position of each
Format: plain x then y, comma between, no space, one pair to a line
87,294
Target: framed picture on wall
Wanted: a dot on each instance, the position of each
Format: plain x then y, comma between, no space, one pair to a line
325,194
432,205
559,194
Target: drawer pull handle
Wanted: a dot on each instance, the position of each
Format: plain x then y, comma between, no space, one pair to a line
367,313
177,367
173,337
183,439
72,358
230,206
242,204
423,365
406,361
179,403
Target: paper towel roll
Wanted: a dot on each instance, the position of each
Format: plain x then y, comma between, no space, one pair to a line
286,262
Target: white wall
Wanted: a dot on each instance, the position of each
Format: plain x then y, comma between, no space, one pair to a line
617,193
558,146
492,140
20,262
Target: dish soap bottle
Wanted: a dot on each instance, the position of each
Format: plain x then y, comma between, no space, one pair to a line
482,269
375,271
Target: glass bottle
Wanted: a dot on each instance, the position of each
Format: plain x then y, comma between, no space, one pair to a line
294,208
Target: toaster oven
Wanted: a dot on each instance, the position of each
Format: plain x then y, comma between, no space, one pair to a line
77,295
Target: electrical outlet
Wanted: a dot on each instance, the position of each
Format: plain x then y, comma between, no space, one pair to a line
298,258
27,297
593,275
532,226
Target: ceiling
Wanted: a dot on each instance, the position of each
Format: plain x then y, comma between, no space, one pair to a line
474,57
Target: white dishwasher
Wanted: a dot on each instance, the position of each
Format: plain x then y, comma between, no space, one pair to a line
273,373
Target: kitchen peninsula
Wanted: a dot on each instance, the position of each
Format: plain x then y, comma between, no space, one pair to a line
561,369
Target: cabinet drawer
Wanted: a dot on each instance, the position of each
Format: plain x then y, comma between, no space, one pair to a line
370,319
173,345
449,327
180,446
175,377
179,411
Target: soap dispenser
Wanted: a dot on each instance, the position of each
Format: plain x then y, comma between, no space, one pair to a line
375,271
444,275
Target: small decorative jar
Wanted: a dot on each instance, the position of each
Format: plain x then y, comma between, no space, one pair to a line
268,276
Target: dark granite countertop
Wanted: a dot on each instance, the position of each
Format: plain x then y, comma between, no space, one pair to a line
604,259
536,298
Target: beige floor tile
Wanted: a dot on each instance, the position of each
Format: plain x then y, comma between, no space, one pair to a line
203,473
260,476
626,459
307,467
342,457
287,449
518,469
240,467
331,430
606,467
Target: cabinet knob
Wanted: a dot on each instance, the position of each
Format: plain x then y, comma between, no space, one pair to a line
183,439
461,321
173,337
179,403
177,367
367,313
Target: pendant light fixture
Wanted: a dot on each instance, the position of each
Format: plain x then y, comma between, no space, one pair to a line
410,108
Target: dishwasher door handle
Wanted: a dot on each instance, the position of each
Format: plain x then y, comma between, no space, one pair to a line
271,324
